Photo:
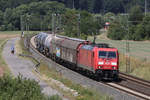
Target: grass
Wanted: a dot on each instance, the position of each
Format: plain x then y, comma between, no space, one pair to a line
138,68
3,65
10,32
17,32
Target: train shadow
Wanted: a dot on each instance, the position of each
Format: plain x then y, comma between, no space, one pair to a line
119,80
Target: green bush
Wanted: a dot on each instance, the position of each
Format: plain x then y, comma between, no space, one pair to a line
21,89
54,97
116,32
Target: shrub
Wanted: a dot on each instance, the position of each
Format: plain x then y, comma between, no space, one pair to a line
54,97
19,89
116,32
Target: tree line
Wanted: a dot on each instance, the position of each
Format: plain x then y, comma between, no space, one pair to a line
47,15
94,6
133,26
127,17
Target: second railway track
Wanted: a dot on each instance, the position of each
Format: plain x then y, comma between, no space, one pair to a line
128,84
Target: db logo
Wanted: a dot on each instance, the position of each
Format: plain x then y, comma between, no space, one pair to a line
107,63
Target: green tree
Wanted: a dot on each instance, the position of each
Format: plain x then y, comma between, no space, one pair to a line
139,32
97,6
1,17
38,9
87,21
8,18
116,32
85,4
109,17
128,4
70,22
135,15
114,6
90,24
146,24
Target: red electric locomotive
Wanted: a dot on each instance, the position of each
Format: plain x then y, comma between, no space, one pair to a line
102,60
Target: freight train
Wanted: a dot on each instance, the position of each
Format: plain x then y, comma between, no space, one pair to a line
99,59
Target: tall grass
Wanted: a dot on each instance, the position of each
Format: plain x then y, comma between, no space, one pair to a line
3,65
139,68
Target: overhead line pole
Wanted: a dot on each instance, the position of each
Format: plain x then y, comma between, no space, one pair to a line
53,23
79,25
128,51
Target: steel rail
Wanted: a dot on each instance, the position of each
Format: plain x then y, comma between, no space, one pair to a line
129,91
133,78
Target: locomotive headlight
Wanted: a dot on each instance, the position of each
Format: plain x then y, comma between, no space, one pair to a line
113,67
100,67
100,63
114,63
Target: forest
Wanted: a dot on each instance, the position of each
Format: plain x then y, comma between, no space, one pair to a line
78,18
93,6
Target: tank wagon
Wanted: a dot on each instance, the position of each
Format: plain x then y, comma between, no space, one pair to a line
99,59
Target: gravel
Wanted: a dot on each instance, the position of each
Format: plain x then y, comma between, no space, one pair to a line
24,67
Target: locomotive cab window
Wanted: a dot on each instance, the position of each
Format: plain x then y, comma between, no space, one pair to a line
107,54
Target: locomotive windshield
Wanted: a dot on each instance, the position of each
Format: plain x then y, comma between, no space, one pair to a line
107,54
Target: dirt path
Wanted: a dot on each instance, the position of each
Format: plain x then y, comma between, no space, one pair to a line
25,67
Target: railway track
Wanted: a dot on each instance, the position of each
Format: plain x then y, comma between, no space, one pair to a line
136,79
129,84
136,84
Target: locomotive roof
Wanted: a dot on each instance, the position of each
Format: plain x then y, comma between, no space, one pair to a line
108,49
71,43
75,39
56,40
68,43
100,45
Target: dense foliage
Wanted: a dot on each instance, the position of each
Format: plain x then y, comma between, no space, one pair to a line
34,14
54,15
81,24
48,16
133,26
21,89
95,6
